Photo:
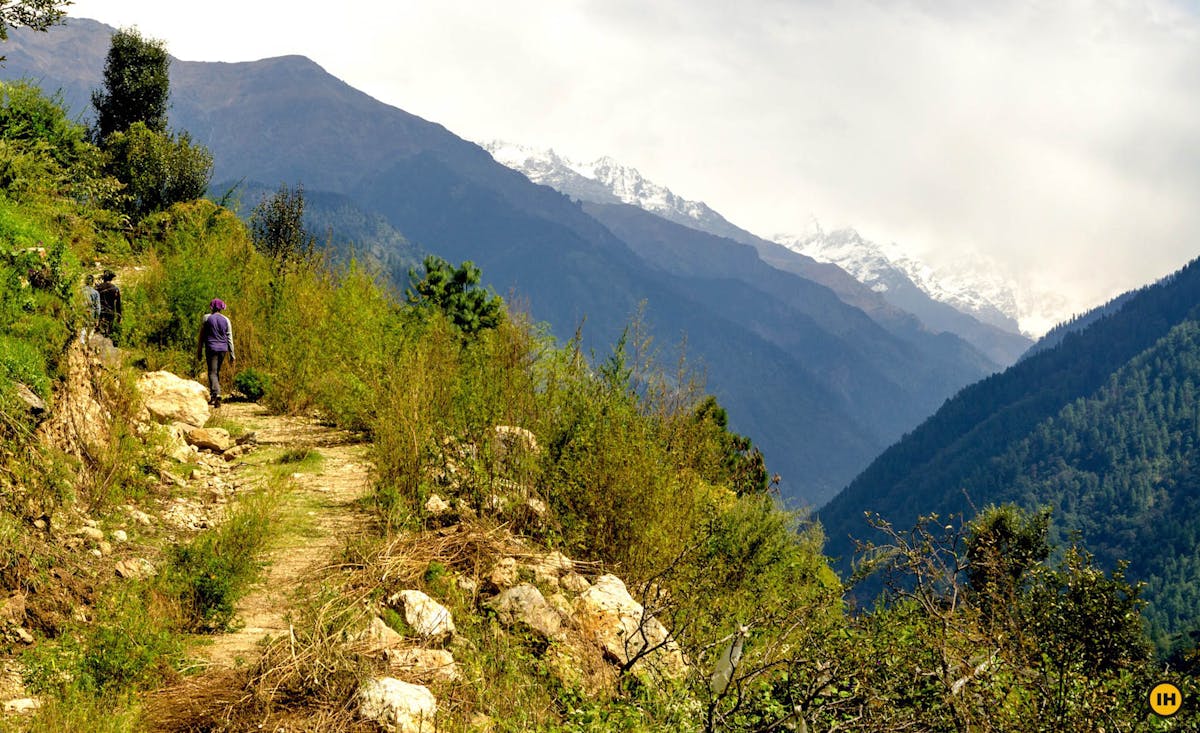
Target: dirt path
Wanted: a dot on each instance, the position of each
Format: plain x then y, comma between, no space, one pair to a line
324,501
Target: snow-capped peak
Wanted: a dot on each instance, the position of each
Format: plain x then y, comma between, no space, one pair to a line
606,181
971,283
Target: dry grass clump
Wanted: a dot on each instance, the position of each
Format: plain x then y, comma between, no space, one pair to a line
469,549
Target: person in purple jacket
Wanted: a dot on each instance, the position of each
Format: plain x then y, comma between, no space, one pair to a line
215,341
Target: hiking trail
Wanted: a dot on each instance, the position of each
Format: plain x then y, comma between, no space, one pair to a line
326,502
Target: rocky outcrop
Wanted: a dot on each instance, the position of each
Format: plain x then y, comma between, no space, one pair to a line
397,706
628,634
168,398
79,420
34,404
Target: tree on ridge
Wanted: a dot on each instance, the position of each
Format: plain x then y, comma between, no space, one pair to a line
136,85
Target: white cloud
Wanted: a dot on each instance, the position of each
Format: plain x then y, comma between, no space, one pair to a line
1061,139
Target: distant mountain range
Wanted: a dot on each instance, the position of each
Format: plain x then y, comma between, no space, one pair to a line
981,312
817,368
1102,425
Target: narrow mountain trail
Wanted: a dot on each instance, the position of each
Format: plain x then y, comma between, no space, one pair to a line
319,512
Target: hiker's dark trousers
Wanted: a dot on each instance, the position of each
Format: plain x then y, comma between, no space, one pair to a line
215,360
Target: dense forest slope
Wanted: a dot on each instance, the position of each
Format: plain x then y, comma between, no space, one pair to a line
1104,428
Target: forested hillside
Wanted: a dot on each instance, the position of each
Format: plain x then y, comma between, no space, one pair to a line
1102,428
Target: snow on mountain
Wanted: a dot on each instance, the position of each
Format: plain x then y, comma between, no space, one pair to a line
974,288
605,181
971,283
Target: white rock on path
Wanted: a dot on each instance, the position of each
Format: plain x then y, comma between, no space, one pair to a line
399,707
169,398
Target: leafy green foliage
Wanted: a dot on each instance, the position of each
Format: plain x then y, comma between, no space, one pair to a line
27,116
128,646
252,383
157,168
36,272
45,155
277,227
136,85
1002,545
455,292
1037,636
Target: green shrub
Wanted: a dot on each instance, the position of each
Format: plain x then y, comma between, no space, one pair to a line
21,362
208,575
252,383
158,168
456,292
128,646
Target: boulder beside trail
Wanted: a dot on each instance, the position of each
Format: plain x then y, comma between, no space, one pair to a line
428,618
525,604
216,440
397,706
169,398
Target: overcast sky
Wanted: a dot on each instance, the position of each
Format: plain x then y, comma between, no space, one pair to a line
1059,137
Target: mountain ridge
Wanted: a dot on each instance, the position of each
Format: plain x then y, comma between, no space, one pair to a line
605,181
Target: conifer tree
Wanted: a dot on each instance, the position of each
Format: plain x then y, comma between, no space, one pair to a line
456,292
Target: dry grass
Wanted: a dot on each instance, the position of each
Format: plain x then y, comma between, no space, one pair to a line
221,702
307,679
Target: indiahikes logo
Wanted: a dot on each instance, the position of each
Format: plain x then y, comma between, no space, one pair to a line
1165,699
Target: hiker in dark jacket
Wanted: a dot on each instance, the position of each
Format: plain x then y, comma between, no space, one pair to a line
110,305
214,342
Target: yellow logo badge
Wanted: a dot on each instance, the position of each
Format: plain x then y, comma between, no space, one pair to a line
1165,699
